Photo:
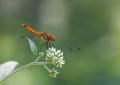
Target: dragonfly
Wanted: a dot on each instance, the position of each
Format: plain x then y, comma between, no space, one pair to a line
47,37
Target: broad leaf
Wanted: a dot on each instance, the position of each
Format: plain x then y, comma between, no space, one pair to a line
33,47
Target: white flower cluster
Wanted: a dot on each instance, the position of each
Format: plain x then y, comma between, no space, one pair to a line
55,57
53,73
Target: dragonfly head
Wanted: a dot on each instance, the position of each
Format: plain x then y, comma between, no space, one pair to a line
52,37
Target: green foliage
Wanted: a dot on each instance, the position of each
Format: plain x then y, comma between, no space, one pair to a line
33,47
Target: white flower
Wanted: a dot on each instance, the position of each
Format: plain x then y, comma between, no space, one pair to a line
6,68
55,57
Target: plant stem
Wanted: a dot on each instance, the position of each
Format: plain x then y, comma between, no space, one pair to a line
45,66
37,59
23,67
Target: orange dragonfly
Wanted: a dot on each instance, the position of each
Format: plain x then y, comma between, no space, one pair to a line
49,38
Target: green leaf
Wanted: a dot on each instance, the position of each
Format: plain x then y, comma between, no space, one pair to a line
33,47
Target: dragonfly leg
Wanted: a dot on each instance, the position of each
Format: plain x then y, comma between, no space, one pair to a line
52,44
49,45
46,45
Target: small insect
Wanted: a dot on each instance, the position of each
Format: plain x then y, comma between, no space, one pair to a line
47,37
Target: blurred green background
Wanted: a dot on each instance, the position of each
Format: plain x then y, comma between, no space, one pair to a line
91,25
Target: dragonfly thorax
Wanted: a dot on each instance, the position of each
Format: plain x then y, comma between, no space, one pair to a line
47,36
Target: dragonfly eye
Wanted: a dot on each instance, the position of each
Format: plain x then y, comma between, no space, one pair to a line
52,37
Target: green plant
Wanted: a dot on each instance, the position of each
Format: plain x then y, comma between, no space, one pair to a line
51,57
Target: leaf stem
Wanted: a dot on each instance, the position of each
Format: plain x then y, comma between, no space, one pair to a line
37,58
45,66
23,67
